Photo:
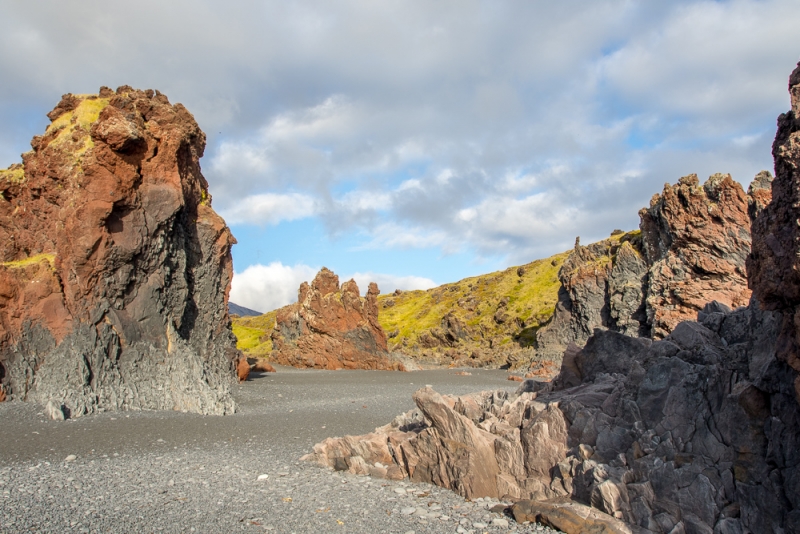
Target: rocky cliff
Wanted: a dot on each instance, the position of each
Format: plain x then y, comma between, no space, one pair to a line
331,327
114,269
698,432
774,264
690,249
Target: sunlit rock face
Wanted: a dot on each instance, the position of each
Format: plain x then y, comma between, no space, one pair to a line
690,249
114,269
331,327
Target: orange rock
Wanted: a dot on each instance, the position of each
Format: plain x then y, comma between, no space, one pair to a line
515,378
242,369
261,365
463,373
331,327
2,394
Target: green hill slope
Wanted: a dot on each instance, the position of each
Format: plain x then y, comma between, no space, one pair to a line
484,320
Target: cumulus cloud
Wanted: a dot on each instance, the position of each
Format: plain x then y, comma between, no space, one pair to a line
502,128
268,287
270,208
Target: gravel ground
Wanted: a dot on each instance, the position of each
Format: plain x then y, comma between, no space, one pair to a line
178,472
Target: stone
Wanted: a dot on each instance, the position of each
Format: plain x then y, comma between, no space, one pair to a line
260,365
114,268
568,517
52,410
331,327
696,239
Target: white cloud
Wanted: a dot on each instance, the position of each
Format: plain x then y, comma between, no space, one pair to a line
270,208
499,128
268,287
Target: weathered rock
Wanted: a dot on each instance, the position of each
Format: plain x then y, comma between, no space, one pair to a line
602,286
260,365
114,269
568,517
696,239
331,328
690,250
774,264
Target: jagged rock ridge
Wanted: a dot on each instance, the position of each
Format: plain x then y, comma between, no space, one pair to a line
690,249
330,327
114,269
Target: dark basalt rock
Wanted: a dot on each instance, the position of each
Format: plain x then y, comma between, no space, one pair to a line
114,269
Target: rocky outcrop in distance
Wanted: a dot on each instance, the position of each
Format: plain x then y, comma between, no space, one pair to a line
114,269
331,327
694,432
690,249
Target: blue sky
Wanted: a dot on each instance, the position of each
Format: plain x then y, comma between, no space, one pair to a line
416,143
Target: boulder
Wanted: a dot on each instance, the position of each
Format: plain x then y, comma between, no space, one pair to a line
331,327
114,268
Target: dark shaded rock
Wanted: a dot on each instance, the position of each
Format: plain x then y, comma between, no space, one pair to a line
774,264
602,286
114,269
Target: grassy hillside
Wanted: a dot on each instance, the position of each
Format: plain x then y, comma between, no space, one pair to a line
479,320
252,333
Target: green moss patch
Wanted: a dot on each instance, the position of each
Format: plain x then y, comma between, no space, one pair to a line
253,333
19,264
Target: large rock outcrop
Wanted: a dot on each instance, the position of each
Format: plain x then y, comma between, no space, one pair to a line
774,265
114,269
695,239
690,249
331,327
698,432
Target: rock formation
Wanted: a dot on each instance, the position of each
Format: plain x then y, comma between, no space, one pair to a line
698,432
114,269
331,327
690,250
774,265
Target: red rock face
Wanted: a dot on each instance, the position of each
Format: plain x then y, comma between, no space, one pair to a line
774,264
696,239
114,269
331,328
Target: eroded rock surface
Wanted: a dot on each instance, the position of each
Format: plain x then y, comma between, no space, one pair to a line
114,269
690,250
774,265
696,239
331,327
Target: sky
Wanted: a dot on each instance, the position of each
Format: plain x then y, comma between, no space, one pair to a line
415,143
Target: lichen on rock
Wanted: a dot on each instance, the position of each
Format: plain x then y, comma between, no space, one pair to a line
114,274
